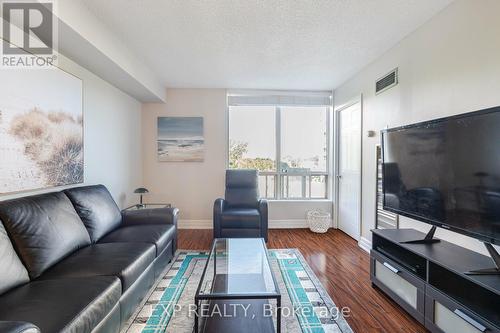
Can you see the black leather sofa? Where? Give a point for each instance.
(70, 261)
(242, 214)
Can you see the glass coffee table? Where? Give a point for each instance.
(238, 291)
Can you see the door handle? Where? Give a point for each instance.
(470, 320)
(391, 268)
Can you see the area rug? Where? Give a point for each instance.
(306, 306)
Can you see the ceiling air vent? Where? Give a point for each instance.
(386, 82)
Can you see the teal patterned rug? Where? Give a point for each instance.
(306, 306)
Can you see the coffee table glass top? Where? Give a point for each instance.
(238, 267)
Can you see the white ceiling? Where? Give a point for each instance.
(261, 44)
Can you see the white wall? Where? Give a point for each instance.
(450, 65)
(193, 187)
(113, 148)
(112, 137)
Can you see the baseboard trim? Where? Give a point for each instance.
(194, 224)
(365, 244)
(273, 224)
(288, 224)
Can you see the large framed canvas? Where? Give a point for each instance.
(41, 129)
(180, 139)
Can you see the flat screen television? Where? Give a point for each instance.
(446, 172)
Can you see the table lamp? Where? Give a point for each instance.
(141, 191)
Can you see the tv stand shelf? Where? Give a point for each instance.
(429, 281)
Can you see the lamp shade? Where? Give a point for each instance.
(141, 190)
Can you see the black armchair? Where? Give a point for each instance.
(241, 214)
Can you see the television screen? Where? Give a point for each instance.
(446, 172)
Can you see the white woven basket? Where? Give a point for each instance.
(319, 221)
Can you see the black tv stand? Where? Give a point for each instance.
(428, 239)
(495, 256)
(430, 283)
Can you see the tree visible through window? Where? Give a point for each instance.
(237, 150)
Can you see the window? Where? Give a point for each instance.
(250, 149)
(288, 144)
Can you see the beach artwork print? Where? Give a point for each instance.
(41, 129)
(180, 139)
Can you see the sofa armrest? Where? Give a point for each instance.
(18, 327)
(218, 209)
(263, 210)
(150, 216)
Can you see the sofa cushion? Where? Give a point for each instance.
(159, 235)
(63, 305)
(12, 273)
(241, 218)
(124, 260)
(44, 229)
(96, 208)
(18, 327)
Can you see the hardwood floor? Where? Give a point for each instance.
(343, 268)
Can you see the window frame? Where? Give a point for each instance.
(280, 174)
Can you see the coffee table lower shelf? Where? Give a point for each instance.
(253, 321)
(237, 291)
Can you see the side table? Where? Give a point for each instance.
(149, 206)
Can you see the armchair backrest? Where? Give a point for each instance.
(242, 188)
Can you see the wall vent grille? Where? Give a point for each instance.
(386, 82)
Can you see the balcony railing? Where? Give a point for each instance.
(293, 186)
